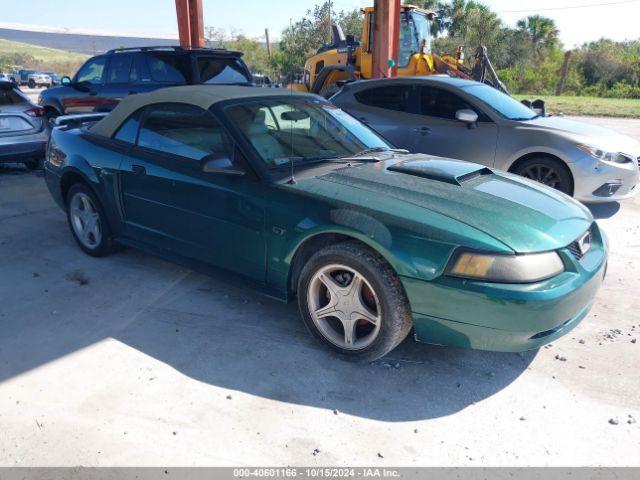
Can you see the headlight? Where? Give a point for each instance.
(604, 156)
(506, 268)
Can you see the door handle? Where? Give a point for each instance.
(422, 130)
(138, 170)
(93, 94)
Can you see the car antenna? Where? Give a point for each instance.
(292, 179)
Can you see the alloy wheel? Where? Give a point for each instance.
(344, 307)
(85, 220)
(544, 174)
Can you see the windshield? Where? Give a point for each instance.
(415, 30)
(300, 130)
(501, 103)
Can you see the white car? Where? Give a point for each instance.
(472, 121)
(39, 80)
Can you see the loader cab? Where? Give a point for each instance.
(415, 36)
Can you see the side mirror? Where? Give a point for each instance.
(467, 116)
(65, 80)
(220, 163)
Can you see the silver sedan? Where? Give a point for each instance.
(471, 121)
(23, 130)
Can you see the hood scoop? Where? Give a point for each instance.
(455, 172)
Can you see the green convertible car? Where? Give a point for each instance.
(297, 198)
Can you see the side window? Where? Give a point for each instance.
(394, 97)
(436, 102)
(169, 68)
(222, 70)
(184, 130)
(128, 131)
(119, 68)
(92, 71)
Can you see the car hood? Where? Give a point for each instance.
(601, 137)
(524, 216)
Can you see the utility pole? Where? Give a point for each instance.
(329, 1)
(266, 35)
(563, 73)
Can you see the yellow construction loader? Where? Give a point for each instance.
(345, 59)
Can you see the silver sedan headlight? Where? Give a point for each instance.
(506, 268)
(603, 155)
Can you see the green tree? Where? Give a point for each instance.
(541, 32)
(303, 38)
(255, 53)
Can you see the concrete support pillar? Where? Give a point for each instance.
(386, 34)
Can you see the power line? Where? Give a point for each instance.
(572, 7)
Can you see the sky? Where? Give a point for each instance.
(618, 20)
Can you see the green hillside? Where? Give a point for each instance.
(16, 54)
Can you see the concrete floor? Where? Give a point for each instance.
(151, 364)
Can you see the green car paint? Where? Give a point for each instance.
(414, 210)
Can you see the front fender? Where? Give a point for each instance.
(408, 254)
(52, 103)
(538, 150)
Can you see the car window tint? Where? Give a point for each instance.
(119, 68)
(393, 97)
(221, 70)
(92, 71)
(10, 97)
(184, 130)
(436, 102)
(169, 68)
(129, 129)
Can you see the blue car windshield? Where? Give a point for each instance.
(301, 131)
(500, 102)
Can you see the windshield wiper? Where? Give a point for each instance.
(368, 151)
(523, 119)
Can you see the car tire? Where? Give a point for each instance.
(548, 171)
(88, 222)
(349, 285)
(31, 84)
(33, 164)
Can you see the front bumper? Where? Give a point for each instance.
(591, 175)
(507, 317)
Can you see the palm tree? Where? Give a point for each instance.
(542, 33)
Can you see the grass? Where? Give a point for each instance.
(44, 58)
(588, 106)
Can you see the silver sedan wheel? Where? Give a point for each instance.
(85, 220)
(344, 307)
(544, 174)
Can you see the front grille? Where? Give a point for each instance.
(579, 247)
(574, 248)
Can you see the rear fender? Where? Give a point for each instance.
(102, 178)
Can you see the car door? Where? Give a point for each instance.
(389, 111)
(87, 85)
(439, 133)
(116, 84)
(170, 202)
